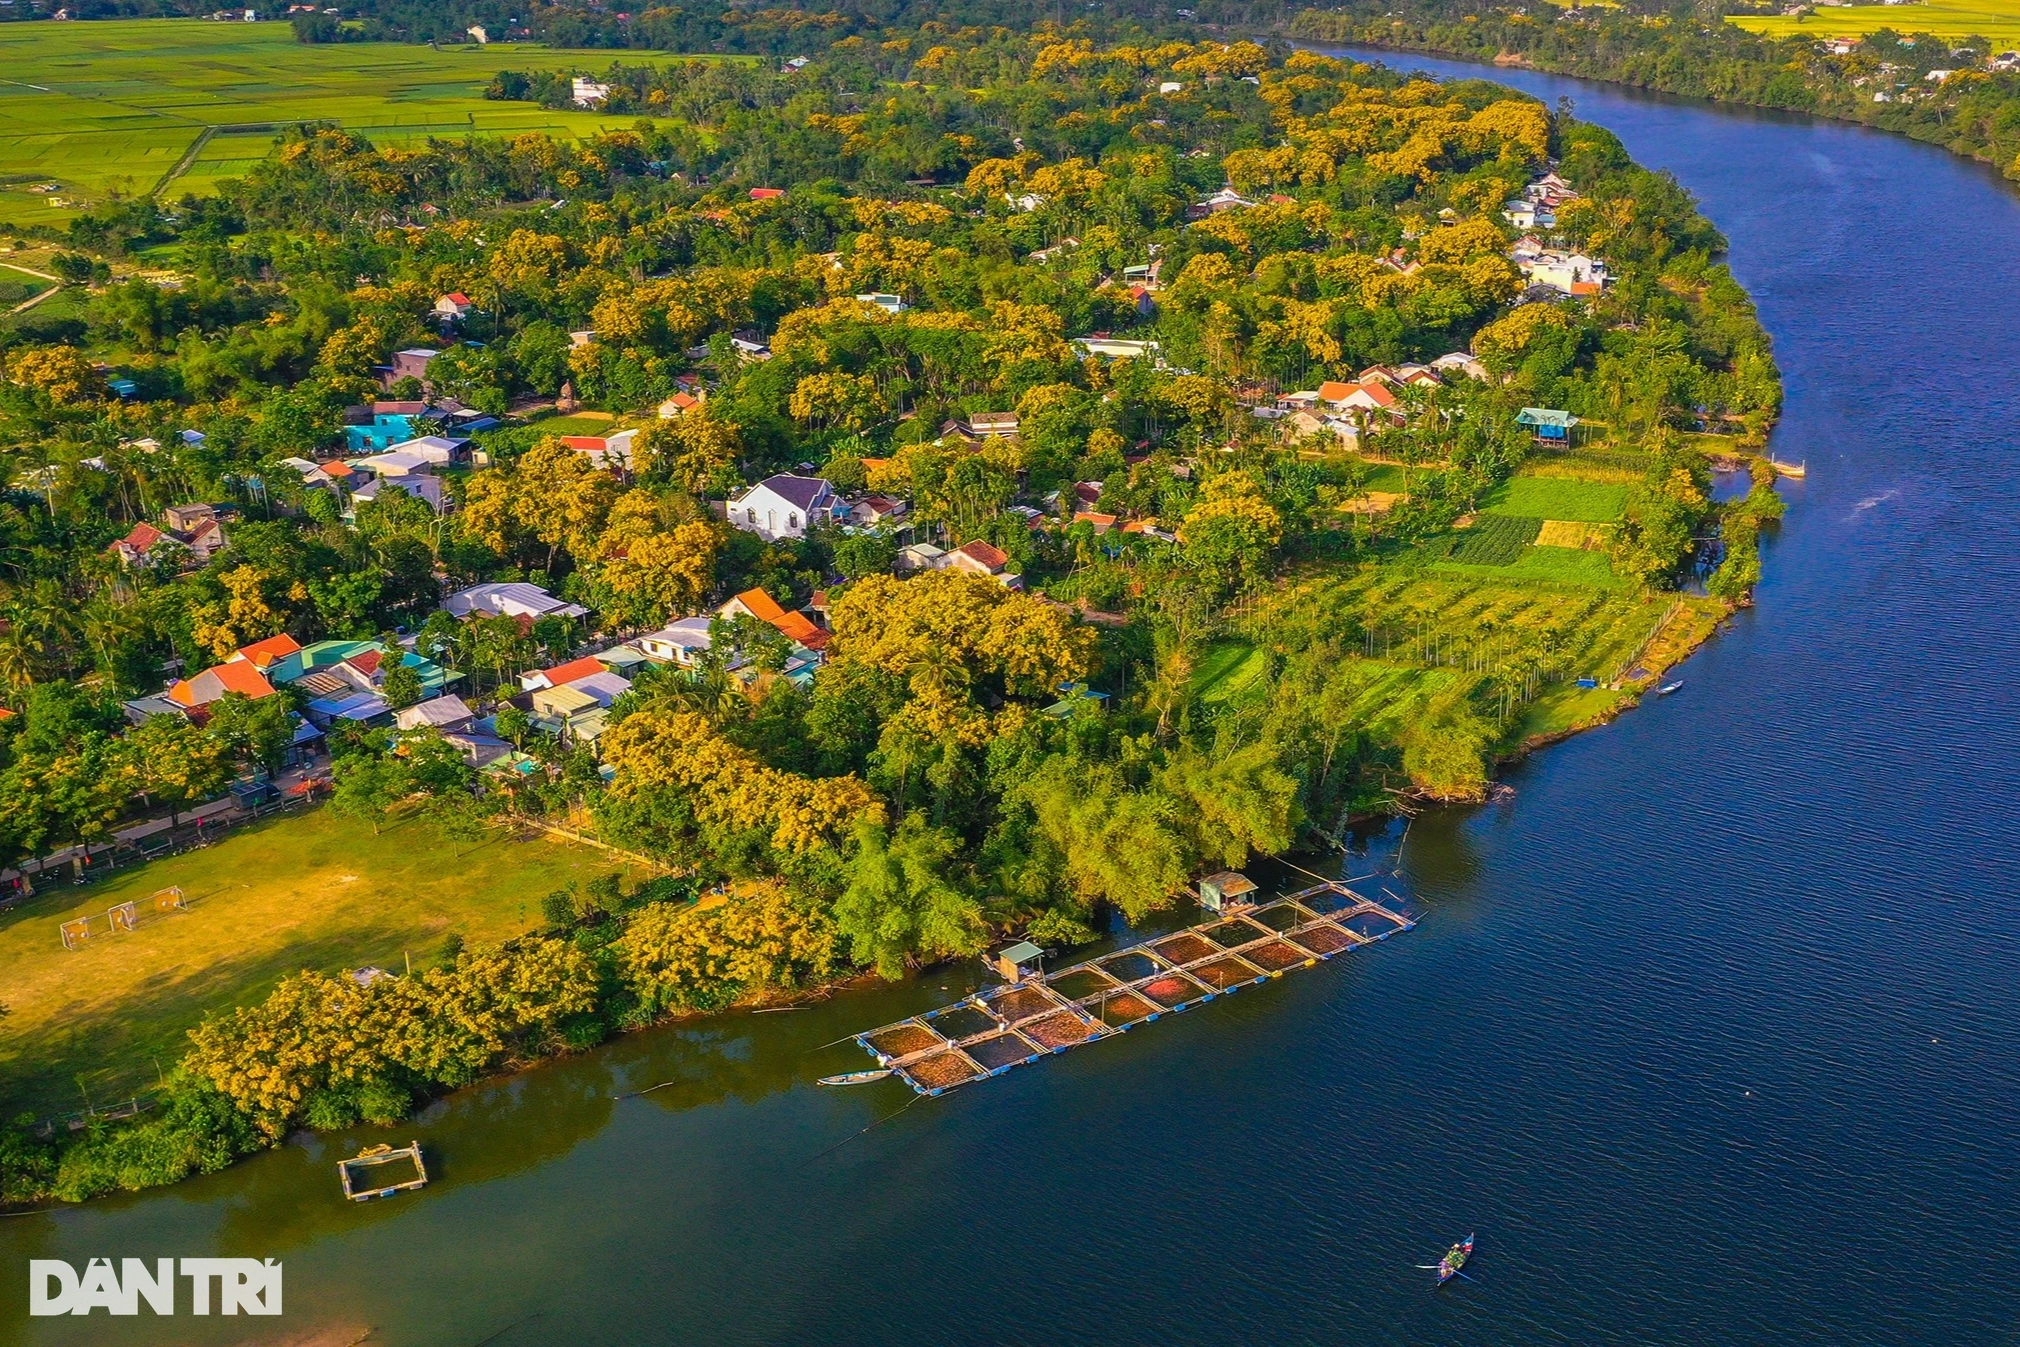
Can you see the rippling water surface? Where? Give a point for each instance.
(1709, 1031)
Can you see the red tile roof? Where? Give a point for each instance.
(766, 193)
(588, 444)
(143, 537)
(572, 670)
(366, 662)
(1332, 390)
(995, 558)
(801, 628)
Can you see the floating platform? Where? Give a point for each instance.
(357, 1167)
(991, 1031)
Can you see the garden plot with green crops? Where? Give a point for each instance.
(1569, 498)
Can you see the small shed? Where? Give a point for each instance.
(1022, 960)
(1225, 891)
(1549, 425)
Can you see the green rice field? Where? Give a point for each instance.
(117, 106)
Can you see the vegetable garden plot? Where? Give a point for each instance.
(1017, 1024)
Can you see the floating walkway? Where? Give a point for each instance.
(989, 1032)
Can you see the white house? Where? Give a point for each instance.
(1115, 348)
(683, 642)
(891, 304)
(509, 598)
(1460, 362)
(785, 506)
(454, 307)
(588, 93)
(1565, 271)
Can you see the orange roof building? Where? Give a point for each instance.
(235, 675)
(263, 654)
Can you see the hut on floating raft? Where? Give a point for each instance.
(1021, 961)
(1227, 891)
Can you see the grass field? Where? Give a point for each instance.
(1228, 669)
(114, 106)
(308, 891)
(1998, 21)
(1570, 498)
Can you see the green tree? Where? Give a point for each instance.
(903, 901)
(259, 730)
(402, 686)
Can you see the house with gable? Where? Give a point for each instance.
(785, 506)
(981, 558)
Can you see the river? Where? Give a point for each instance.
(1709, 1031)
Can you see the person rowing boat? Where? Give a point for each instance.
(1454, 1259)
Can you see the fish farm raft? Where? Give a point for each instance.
(991, 1031)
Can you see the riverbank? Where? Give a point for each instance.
(1973, 117)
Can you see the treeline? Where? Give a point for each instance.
(1974, 112)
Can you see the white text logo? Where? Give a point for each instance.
(233, 1285)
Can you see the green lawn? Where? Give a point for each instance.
(314, 890)
(1996, 20)
(1568, 498)
(1385, 477)
(115, 105)
(1228, 669)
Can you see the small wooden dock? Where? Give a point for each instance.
(987, 1033)
(357, 1169)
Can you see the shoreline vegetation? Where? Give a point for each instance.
(1326, 540)
(1955, 92)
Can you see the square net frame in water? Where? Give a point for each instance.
(1079, 983)
(942, 1070)
(1185, 948)
(962, 1021)
(1224, 972)
(1275, 956)
(1283, 916)
(1173, 990)
(1125, 1007)
(1005, 1049)
(1323, 939)
(1130, 965)
(1063, 1029)
(1020, 1002)
(1235, 932)
(899, 1041)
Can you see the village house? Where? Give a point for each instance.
(683, 642)
(454, 307)
(380, 425)
(1225, 199)
(509, 598)
(796, 627)
(234, 675)
(447, 713)
(1461, 363)
(981, 558)
(1568, 273)
(561, 674)
(785, 506)
(587, 93)
(917, 557)
(408, 364)
(611, 452)
(891, 304)
(680, 404)
(873, 511)
(1114, 348)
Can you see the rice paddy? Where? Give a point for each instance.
(179, 105)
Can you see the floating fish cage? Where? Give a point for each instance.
(989, 1032)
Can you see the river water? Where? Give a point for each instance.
(1709, 1031)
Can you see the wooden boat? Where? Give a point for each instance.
(1454, 1259)
(855, 1077)
(1668, 688)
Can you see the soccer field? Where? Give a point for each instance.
(1997, 21)
(102, 107)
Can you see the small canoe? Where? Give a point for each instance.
(1668, 688)
(1454, 1259)
(855, 1077)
